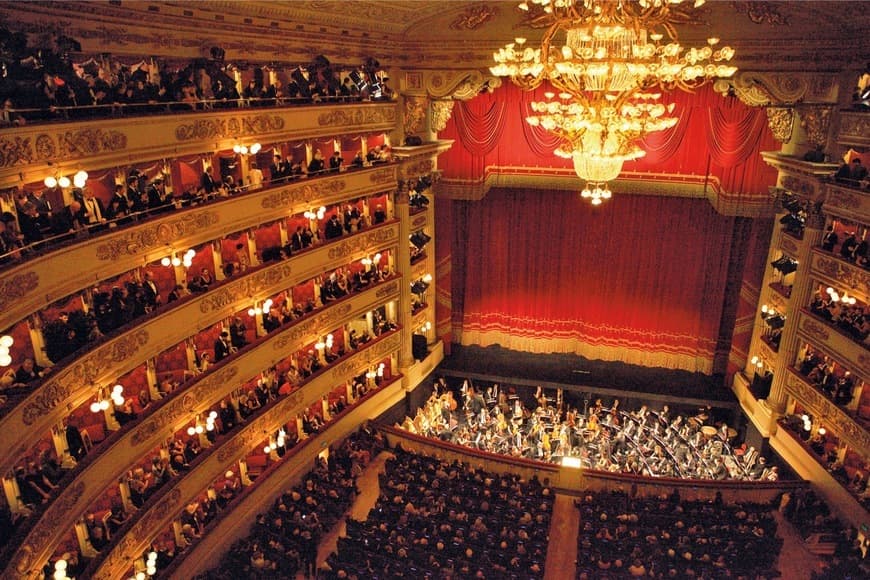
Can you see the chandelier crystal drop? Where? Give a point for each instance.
(606, 58)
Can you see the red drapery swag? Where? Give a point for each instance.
(715, 136)
(640, 281)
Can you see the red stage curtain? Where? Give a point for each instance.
(640, 281)
(716, 136)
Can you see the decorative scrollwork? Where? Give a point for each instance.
(16, 151)
(89, 142)
(309, 327)
(816, 122)
(134, 242)
(233, 127)
(362, 116)
(441, 112)
(58, 388)
(16, 287)
(815, 330)
(249, 286)
(385, 175)
(474, 17)
(368, 356)
(415, 114)
(781, 122)
(853, 278)
(302, 194)
(361, 243)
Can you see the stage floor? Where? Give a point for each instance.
(575, 372)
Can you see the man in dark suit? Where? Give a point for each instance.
(42, 205)
(222, 347)
(93, 211)
(119, 205)
(276, 170)
(333, 228)
(151, 291)
(208, 183)
(69, 220)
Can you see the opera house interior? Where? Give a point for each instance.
(628, 334)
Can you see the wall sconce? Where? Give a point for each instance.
(321, 344)
(151, 564)
(315, 214)
(420, 239)
(239, 149)
(102, 403)
(6, 342)
(279, 442)
(79, 180)
(376, 259)
(175, 261)
(198, 428)
(771, 317)
(60, 570)
(845, 298)
(421, 285)
(822, 431)
(425, 327)
(267, 306)
(757, 362)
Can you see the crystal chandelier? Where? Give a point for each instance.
(605, 58)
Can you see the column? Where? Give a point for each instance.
(800, 296)
(403, 264)
(34, 328)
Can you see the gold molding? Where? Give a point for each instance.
(781, 122)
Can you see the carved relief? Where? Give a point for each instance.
(46, 527)
(415, 169)
(349, 247)
(781, 122)
(816, 122)
(385, 175)
(17, 287)
(789, 246)
(86, 371)
(854, 128)
(63, 145)
(418, 221)
(853, 278)
(441, 112)
(761, 12)
(815, 330)
(843, 199)
(308, 192)
(343, 117)
(183, 405)
(474, 17)
(250, 286)
(415, 114)
(233, 127)
(311, 325)
(796, 185)
(386, 290)
(160, 234)
(368, 356)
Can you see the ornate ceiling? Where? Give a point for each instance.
(807, 35)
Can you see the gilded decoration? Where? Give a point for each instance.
(789, 246)
(419, 221)
(46, 527)
(17, 287)
(816, 122)
(815, 329)
(385, 175)
(386, 290)
(797, 185)
(781, 122)
(310, 326)
(761, 12)
(361, 243)
(182, 405)
(167, 505)
(441, 112)
(246, 288)
(854, 128)
(159, 234)
(416, 169)
(415, 114)
(365, 115)
(474, 17)
(86, 371)
(368, 356)
(201, 129)
(849, 276)
(843, 199)
(308, 192)
(62, 145)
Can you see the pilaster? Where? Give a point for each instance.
(402, 213)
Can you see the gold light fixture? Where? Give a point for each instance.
(605, 57)
(240, 149)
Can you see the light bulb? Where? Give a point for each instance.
(199, 430)
(60, 565)
(64, 182)
(82, 174)
(209, 426)
(78, 181)
(59, 575)
(190, 253)
(212, 415)
(50, 182)
(251, 312)
(5, 360)
(165, 261)
(118, 389)
(176, 261)
(104, 404)
(6, 341)
(191, 431)
(140, 576)
(255, 148)
(95, 407)
(244, 150)
(237, 148)
(822, 431)
(267, 449)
